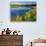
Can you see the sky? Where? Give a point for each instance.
(23, 2)
(31, 30)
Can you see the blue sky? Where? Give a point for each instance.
(23, 2)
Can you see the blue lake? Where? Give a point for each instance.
(19, 11)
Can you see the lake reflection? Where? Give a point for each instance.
(19, 11)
